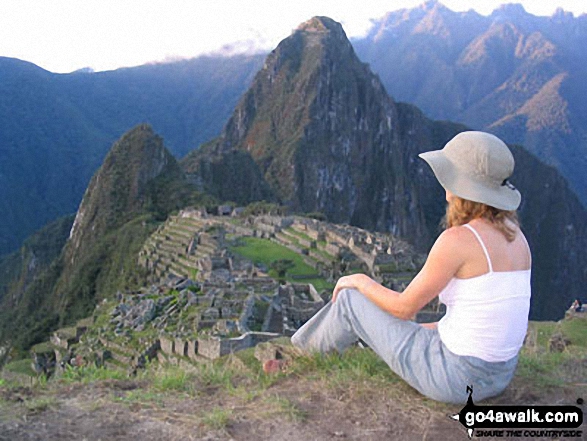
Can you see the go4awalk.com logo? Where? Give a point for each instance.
(520, 421)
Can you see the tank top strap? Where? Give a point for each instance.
(482, 246)
(528, 249)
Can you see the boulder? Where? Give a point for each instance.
(276, 351)
(558, 343)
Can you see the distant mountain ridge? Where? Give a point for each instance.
(511, 73)
(55, 129)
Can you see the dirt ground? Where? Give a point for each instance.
(294, 408)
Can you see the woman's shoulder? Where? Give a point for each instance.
(456, 235)
(453, 243)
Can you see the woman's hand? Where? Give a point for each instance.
(359, 282)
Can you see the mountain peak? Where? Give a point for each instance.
(509, 11)
(434, 21)
(322, 29)
(119, 188)
(319, 25)
(560, 14)
(433, 5)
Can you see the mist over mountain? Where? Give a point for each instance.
(511, 73)
(55, 130)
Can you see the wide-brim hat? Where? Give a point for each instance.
(476, 166)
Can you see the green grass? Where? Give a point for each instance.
(88, 321)
(324, 254)
(265, 252)
(284, 406)
(299, 234)
(173, 379)
(21, 367)
(217, 418)
(38, 405)
(388, 268)
(319, 284)
(541, 368)
(219, 375)
(576, 331)
(43, 347)
(90, 374)
(355, 365)
(142, 396)
(544, 368)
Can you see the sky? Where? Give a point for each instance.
(66, 35)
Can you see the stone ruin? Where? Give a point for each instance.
(204, 302)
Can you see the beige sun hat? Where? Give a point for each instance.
(476, 166)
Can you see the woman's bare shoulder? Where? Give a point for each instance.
(454, 237)
(450, 249)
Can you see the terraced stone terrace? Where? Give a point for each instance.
(238, 248)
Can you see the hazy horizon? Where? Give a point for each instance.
(66, 35)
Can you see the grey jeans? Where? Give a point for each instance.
(413, 352)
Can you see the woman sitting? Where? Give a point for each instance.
(479, 267)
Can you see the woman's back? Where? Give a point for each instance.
(488, 300)
(502, 255)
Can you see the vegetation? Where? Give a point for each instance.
(265, 252)
(90, 373)
(23, 366)
(35, 256)
(217, 418)
(223, 394)
(546, 368)
(281, 267)
(264, 207)
(121, 209)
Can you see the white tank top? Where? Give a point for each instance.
(486, 316)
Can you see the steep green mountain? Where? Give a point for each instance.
(57, 278)
(317, 123)
(511, 73)
(55, 130)
(318, 129)
(119, 190)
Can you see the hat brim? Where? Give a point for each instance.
(461, 185)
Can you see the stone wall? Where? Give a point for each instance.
(297, 310)
(212, 347)
(167, 345)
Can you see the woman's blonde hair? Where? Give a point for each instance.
(461, 211)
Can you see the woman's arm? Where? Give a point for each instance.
(444, 260)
